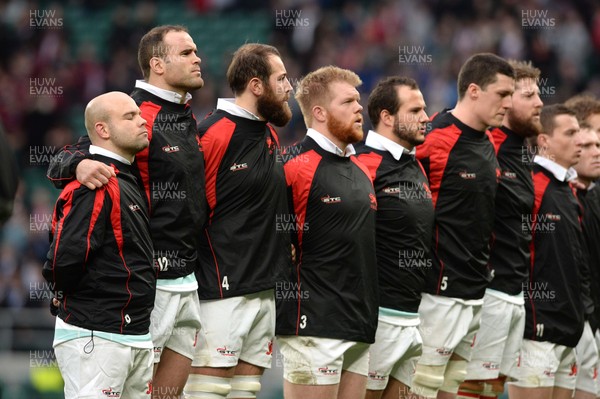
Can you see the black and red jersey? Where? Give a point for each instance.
(241, 252)
(509, 257)
(461, 165)
(100, 257)
(590, 273)
(553, 303)
(171, 171)
(334, 284)
(404, 226)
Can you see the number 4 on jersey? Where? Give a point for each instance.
(225, 283)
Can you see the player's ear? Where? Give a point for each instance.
(386, 118)
(542, 140)
(157, 65)
(101, 129)
(319, 114)
(255, 85)
(473, 91)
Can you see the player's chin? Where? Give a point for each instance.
(196, 83)
(358, 133)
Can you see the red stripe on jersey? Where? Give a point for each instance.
(115, 219)
(298, 294)
(437, 239)
(497, 137)
(215, 143)
(274, 134)
(437, 147)
(540, 184)
(212, 251)
(98, 202)
(299, 174)
(372, 161)
(149, 113)
(579, 204)
(67, 196)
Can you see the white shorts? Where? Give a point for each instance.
(587, 361)
(106, 370)
(238, 328)
(499, 338)
(448, 325)
(394, 353)
(597, 339)
(320, 361)
(175, 322)
(544, 365)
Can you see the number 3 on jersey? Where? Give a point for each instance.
(303, 321)
(225, 283)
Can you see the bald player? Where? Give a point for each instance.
(100, 264)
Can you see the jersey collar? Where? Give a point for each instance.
(558, 171)
(329, 145)
(166, 95)
(382, 143)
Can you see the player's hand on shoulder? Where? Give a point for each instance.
(93, 174)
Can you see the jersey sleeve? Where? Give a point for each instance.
(61, 170)
(423, 154)
(78, 228)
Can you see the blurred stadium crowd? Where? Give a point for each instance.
(55, 56)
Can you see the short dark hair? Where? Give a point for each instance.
(549, 114)
(250, 61)
(151, 45)
(385, 96)
(482, 69)
(584, 105)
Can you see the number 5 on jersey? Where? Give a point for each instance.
(444, 283)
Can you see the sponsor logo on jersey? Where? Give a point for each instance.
(467, 175)
(391, 190)
(226, 352)
(170, 148)
(109, 393)
(331, 200)
(134, 207)
(553, 217)
(508, 174)
(328, 371)
(238, 166)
